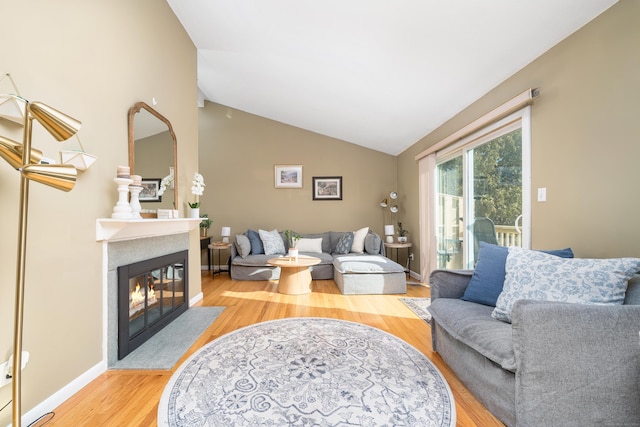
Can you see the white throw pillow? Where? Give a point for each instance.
(309, 245)
(540, 276)
(358, 240)
(272, 242)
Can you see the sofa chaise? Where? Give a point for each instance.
(355, 260)
(553, 361)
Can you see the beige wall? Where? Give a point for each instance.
(92, 60)
(238, 152)
(585, 140)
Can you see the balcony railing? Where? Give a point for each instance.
(508, 235)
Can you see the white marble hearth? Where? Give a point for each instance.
(126, 242)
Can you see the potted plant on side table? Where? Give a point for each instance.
(402, 233)
(205, 224)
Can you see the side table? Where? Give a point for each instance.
(398, 246)
(205, 241)
(219, 246)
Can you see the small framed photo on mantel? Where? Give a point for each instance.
(327, 188)
(288, 176)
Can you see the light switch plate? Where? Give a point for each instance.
(542, 194)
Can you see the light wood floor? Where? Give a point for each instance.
(130, 398)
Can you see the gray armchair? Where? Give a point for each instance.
(573, 364)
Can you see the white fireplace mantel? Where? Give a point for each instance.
(112, 230)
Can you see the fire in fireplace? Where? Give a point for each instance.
(151, 294)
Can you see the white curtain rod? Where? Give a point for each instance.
(514, 104)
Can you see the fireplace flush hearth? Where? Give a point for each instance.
(151, 294)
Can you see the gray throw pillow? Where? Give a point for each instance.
(372, 244)
(243, 245)
(272, 242)
(344, 244)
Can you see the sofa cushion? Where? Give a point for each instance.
(243, 245)
(272, 242)
(256, 243)
(261, 260)
(326, 240)
(344, 244)
(472, 324)
(358, 240)
(355, 263)
(488, 277)
(538, 276)
(372, 244)
(309, 245)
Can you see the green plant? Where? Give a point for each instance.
(402, 232)
(206, 222)
(292, 238)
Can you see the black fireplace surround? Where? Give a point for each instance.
(151, 294)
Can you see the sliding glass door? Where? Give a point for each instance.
(480, 189)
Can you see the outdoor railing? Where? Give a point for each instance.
(507, 235)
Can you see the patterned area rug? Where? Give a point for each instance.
(307, 372)
(419, 307)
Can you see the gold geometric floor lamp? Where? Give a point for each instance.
(62, 177)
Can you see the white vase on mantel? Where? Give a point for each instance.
(194, 213)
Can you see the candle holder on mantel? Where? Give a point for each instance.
(122, 209)
(135, 201)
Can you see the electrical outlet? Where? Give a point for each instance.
(411, 256)
(7, 367)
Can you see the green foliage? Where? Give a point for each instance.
(497, 184)
(292, 237)
(401, 231)
(206, 222)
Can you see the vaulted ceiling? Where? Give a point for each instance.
(377, 73)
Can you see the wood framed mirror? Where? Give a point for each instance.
(153, 152)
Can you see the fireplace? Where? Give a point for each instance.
(151, 294)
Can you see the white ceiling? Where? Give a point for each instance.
(377, 73)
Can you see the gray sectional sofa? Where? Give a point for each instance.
(363, 272)
(556, 364)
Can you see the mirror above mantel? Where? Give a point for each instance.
(153, 152)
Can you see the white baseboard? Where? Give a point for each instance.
(62, 395)
(195, 299)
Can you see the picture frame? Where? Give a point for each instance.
(150, 188)
(327, 188)
(288, 176)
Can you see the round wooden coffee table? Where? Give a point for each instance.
(295, 276)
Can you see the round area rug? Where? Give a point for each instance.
(307, 372)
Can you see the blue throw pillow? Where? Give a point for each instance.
(256, 243)
(488, 278)
(344, 244)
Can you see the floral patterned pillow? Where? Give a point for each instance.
(272, 241)
(539, 276)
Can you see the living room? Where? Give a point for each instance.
(97, 61)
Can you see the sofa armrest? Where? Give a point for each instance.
(576, 364)
(449, 283)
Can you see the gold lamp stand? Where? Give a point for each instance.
(61, 177)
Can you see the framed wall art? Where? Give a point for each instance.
(150, 187)
(327, 188)
(288, 176)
